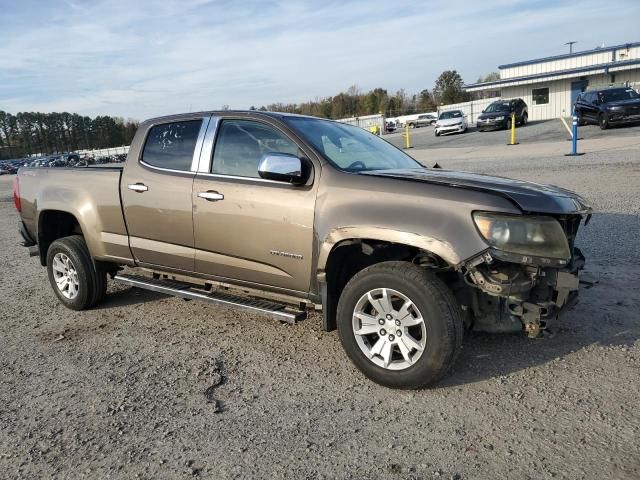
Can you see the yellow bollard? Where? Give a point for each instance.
(406, 138)
(513, 130)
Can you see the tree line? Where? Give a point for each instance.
(29, 133)
(448, 89)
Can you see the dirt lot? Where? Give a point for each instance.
(147, 386)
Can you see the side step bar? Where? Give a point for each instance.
(185, 290)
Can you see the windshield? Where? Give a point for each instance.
(618, 95)
(350, 148)
(451, 114)
(498, 107)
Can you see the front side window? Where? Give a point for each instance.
(241, 144)
(171, 145)
(350, 148)
(540, 96)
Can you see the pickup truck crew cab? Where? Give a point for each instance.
(277, 212)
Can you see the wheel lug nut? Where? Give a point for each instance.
(381, 321)
(391, 338)
(383, 332)
(389, 317)
(398, 333)
(398, 322)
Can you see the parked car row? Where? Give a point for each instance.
(64, 160)
(10, 167)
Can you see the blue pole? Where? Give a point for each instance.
(574, 147)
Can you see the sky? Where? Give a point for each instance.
(139, 59)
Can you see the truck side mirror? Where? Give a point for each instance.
(282, 167)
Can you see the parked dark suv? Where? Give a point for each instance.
(610, 106)
(498, 114)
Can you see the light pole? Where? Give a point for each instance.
(571, 43)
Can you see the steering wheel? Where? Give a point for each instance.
(357, 164)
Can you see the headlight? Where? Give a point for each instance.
(500, 118)
(523, 235)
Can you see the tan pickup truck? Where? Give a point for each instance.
(279, 213)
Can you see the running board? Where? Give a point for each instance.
(192, 292)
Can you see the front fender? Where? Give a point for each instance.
(431, 217)
(441, 248)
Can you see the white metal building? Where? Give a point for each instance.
(550, 85)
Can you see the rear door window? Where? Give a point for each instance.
(171, 145)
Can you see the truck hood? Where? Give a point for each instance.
(529, 197)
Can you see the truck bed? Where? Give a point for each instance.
(90, 194)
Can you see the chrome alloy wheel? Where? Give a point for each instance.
(389, 329)
(65, 275)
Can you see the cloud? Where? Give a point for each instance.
(141, 59)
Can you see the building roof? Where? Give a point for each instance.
(556, 75)
(569, 55)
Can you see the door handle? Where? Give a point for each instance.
(138, 187)
(211, 196)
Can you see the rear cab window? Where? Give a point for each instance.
(170, 145)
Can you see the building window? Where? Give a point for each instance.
(540, 96)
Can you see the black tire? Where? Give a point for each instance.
(509, 123)
(524, 120)
(439, 309)
(92, 283)
(581, 121)
(412, 125)
(437, 133)
(603, 121)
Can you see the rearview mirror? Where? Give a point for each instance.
(282, 167)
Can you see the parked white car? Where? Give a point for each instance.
(452, 121)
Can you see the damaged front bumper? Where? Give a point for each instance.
(509, 297)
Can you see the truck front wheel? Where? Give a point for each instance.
(399, 324)
(72, 274)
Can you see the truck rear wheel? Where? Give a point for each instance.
(72, 274)
(400, 325)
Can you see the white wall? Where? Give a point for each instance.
(560, 93)
(104, 152)
(403, 119)
(596, 58)
(366, 121)
(471, 110)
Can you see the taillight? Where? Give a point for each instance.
(16, 194)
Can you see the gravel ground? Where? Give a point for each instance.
(148, 386)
